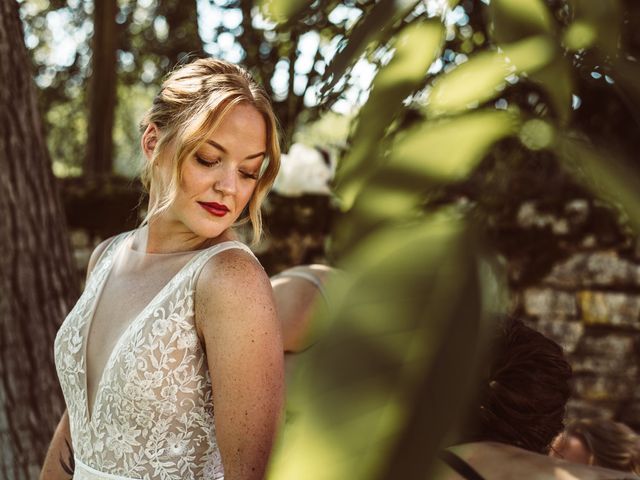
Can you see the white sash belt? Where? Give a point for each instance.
(85, 472)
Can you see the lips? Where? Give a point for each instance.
(217, 209)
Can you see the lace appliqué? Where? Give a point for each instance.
(153, 415)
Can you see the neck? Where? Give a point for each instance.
(164, 237)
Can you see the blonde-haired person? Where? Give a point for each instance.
(171, 361)
(599, 442)
(299, 292)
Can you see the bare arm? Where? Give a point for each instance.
(236, 319)
(58, 463)
(296, 302)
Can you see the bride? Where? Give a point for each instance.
(171, 362)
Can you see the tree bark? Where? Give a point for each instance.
(184, 38)
(38, 283)
(102, 91)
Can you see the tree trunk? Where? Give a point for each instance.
(38, 283)
(102, 91)
(184, 38)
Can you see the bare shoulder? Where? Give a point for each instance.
(231, 269)
(233, 283)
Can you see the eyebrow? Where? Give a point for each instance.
(224, 150)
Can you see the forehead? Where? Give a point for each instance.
(572, 448)
(242, 129)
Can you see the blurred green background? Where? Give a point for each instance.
(478, 143)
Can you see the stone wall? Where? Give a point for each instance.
(590, 304)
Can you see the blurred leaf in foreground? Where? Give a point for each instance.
(284, 10)
(382, 16)
(607, 176)
(397, 80)
(484, 75)
(513, 20)
(447, 150)
(596, 22)
(410, 306)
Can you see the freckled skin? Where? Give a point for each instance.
(236, 320)
(235, 314)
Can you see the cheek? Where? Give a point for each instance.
(248, 192)
(193, 183)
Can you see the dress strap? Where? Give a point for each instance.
(107, 254)
(461, 467)
(310, 277)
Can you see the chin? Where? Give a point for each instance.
(206, 228)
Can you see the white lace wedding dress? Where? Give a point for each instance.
(152, 415)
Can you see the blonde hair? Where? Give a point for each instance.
(193, 101)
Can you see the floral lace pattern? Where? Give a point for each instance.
(153, 414)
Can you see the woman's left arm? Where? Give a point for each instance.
(236, 319)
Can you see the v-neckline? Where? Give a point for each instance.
(90, 410)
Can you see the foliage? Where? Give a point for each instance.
(496, 92)
(153, 37)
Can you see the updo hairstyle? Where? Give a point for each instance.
(193, 101)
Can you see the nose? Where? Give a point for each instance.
(225, 182)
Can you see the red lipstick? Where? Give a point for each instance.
(217, 209)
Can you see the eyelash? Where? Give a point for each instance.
(208, 164)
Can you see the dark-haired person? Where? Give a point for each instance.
(518, 413)
(600, 442)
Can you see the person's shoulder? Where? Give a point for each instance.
(99, 251)
(233, 284)
(230, 269)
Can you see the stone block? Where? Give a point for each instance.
(610, 308)
(604, 365)
(602, 389)
(594, 269)
(577, 409)
(546, 303)
(565, 333)
(613, 344)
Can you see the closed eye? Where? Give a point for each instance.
(207, 163)
(252, 176)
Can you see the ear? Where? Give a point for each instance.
(149, 140)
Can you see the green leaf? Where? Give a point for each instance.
(397, 80)
(625, 74)
(579, 35)
(596, 23)
(557, 80)
(606, 175)
(282, 11)
(370, 26)
(484, 76)
(536, 134)
(513, 20)
(448, 150)
(409, 302)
